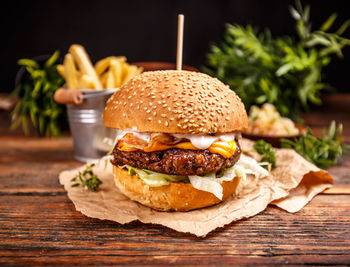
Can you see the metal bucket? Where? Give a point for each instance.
(87, 129)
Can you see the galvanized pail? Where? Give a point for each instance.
(87, 129)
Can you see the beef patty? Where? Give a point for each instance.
(176, 161)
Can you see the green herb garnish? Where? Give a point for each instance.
(267, 152)
(87, 179)
(36, 91)
(282, 71)
(324, 151)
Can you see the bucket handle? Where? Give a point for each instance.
(64, 96)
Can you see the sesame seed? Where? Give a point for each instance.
(166, 123)
(159, 121)
(163, 115)
(149, 118)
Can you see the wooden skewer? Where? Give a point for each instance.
(180, 37)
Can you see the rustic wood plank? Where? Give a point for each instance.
(31, 191)
(50, 227)
(202, 260)
(337, 190)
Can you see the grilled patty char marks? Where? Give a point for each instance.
(176, 161)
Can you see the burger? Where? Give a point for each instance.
(177, 139)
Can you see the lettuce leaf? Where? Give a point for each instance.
(155, 179)
(210, 182)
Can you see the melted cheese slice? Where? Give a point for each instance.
(225, 149)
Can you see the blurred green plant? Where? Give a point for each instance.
(324, 151)
(268, 154)
(281, 71)
(36, 103)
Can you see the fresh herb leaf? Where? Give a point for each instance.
(282, 71)
(324, 151)
(267, 152)
(87, 179)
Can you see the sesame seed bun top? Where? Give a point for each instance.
(175, 102)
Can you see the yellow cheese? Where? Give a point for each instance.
(225, 149)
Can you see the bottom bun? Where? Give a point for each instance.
(175, 196)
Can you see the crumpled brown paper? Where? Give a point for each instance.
(290, 186)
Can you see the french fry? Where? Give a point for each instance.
(125, 72)
(132, 72)
(116, 69)
(110, 80)
(86, 82)
(103, 79)
(139, 70)
(60, 70)
(84, 63)
(102, 65)
(110, 72)
(70, 72)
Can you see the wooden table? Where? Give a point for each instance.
(39, 225)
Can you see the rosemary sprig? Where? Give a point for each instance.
(88, 179)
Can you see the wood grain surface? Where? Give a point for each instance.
(40, 226)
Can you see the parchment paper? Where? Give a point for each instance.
(290, 186)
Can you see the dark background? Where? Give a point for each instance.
(146, 30)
